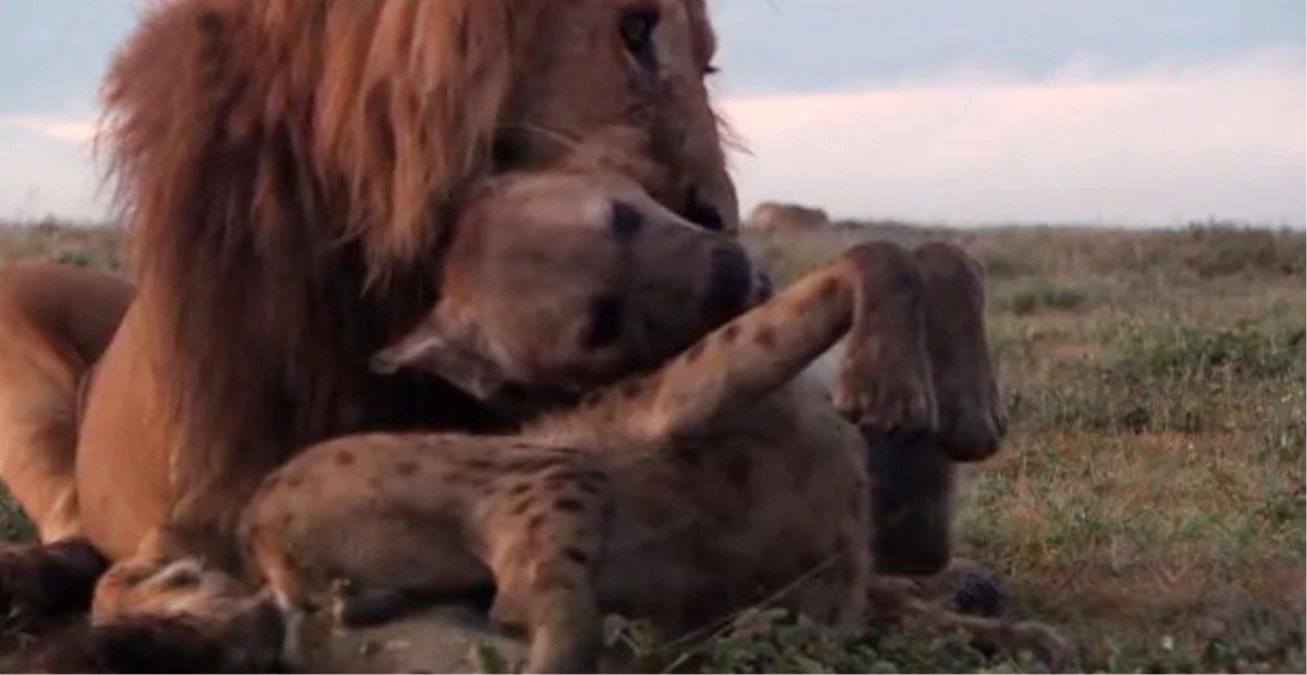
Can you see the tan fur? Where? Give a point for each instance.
(57, 321)
(287, 171)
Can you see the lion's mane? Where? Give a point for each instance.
(283, 168)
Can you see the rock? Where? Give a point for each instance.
(445, 639)
(781, 216)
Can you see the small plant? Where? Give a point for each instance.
(1047, 297)
(1193, 354)
(75, 257)
(14, 526)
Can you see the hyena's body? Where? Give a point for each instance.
(716, 482)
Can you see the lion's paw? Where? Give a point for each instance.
(149, 645)
(43, 580)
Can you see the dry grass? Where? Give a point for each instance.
(1150, 500)
(1151, 496)
(50, 241)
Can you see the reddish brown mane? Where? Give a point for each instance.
(277, 164)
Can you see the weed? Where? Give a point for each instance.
(1046, 297)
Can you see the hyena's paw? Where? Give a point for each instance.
(884, 383)
(972, 421)
(885, 394)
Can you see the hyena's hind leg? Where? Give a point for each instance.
(434, 517)
(545, 550)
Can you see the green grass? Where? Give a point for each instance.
(1150, 498)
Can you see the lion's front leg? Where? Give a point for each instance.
(170, 616)
(38, 581)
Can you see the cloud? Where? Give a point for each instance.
(46, 168)
(77, 130)
(1155, 144)
(1087, 143)
(40, 175)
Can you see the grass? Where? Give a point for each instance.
(1150, 499)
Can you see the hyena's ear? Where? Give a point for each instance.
(459, 355)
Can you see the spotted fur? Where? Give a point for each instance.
(655, 496)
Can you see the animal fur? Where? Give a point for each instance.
(287, 172)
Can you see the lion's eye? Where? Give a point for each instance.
(637, 29)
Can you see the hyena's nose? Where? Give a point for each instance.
(763, 290)
(701, 211)
(731, 282)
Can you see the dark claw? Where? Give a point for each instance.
(980, 594)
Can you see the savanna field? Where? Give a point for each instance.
(1150, 498)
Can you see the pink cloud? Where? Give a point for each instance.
(1155, 145)
(64, 129)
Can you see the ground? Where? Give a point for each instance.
(1150, 500)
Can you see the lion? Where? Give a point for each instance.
(287, 172)
(681, 492)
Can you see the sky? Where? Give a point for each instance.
(1148, 112)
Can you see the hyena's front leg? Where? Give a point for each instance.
(913, 479)
(971, 418)
(872, 293)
